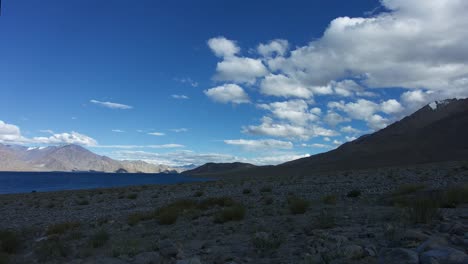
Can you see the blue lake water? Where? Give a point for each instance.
(25, 182)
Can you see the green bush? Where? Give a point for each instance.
(51, 249)
(325, 220)
(58, 229)
(422, 210)
(132, 196)
(264, 242)
(408, 189)
(99, 239)
(246, 191)
(198, 194)
(9, 241)
(82, 202)
(233, 213)
(329, 199)
(454, 196)
(137, 217)
(217, 201)
(265, 189)
(354, 193)
(167, 216)
(298, 205)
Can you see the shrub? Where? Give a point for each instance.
(298, 205)
(82, 202)
(59, 229)
(137, 217)
(99, 239)
(354, 193)
(51, 249)
(9, 241)
(132, 196)
(454, 196)
(198, 194)
(422, 210)
(217, 201)
(167, 216)
(4, 258)
(325, 220)
(408, 189)
(329, 199)
(268, 200)
(246, 191)
(265, 189)
(234, 213)
(264, 242)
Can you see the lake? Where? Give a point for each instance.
(25, 182)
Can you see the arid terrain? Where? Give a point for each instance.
(416, 214)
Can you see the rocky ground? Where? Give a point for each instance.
(400, 215)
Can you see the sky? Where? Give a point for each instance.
(188, 82)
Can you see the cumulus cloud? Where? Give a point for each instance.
(262, 144)
(12, 134)
(223, 47)
(283, 86)
(9, 133)
(269, 128)
(333, 118)
(391, 106)
(295, 111)
(274, 47)
(66, 138)
(240, 70)
(111, 105)
(350, 130)
(228, 93)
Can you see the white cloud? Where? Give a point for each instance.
(391, 106)
(47, 131)
(179, 130)
(111, 105)
(187, 81)
(11, 134)
(283, 86)
(296, 111)
(269, 128)
(262, 144)
(185, 157)
(274, 47)
(164, 146)
(418, 44)
(223, 47)
(228, 93)
(337, 142)
(179, 96)
(158, 134)
(333, 118)
(118, 131)
(65, 138)
(240, 70)
(377, 122)
(350, 130)
(318, 145)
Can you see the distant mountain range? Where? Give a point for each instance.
(69, 158)
(435, 133)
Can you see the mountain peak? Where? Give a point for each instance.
(436, 104)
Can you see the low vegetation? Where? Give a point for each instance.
(233, 213)
(354, 194)
(99, 239)
(132, 196)
(51, 249)
(329, 199)
(298, 205)
(408, 189)
(422, 210)
(9, 241)
(59, 229)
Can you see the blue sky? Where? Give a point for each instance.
(196, 81)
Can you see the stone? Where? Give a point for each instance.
(194, 260)
(168, 249)
(432, 243)
(370, 251)
(444, 255)
(352, 252)
(398, 255)
(104, 260)
(147, 258)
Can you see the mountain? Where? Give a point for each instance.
(68, 158)
(435, 133)
(217, 168)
